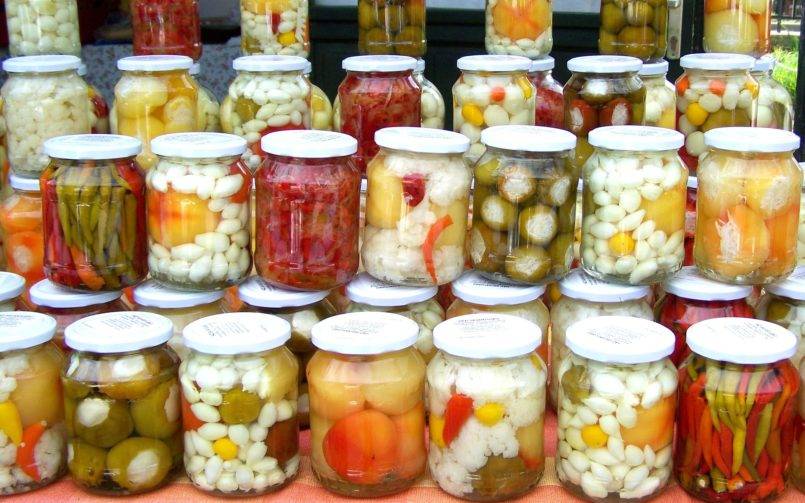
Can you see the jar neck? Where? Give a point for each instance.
(279, 73)
(65, 73)
(461, 360)
(489, 73)
(155, 73)
(380, 75)
(653, 79)
(212, 161)
(750, 155)
(92, 163)
(525, 154)
(307, 161)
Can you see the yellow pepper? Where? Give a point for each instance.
(525, 86)
(287, 38)
(10, 422)
(490, 413)
(696, 114)
(472, 114)
(436, 428)
(225, 448)
(594, 436)
(621, 244)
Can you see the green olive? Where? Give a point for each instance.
(101, 421)
(607, 42)
(239, 407)
(778, 312)
(637, 41)
(138, 463)
(529, 264)
(157, 414)
(566, 214)
(408, 41)
(86, 463)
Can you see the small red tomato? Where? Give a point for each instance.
(581, 118)
(617, 112)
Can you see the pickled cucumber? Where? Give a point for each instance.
(102, 422)
(157, 414)
(139, 463)
(239, 407)
(86, 463)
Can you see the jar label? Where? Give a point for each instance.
(18, 319)
(122, 322)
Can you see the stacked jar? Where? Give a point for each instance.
(367, 415)
(122, 403)
(602, 91)
(784, 305)
(519, 27)
(392, 27)
(550, 106)
(798, 461)
(748, 206)
(270, 93)
(43, 97)
(634, 28)
(417, 204)
(775, 108)
(633, 229)
(93, 208)
(46, 27)
(690, 218)
(239, 404)
(801, 227)
(31, 409)
(524, 204)
(321, 110)
(21, 229)
(584, 297)
(11, 288)
(98, 108)
(308, 202)
(432, 101)
(660, 95)
(161, 27)
(615, 419)
(735, 27)
(714, 91)
(209, 110)
(270, 27)
(491, 91)
(486, 434)
(737, 406)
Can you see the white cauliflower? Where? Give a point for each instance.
(384, 255)
(449, 183)
(412, 230)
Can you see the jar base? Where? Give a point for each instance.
(743, 279)
(612, 497)
(27, 488)
(527, 485)
(658, 277)
(365, 491)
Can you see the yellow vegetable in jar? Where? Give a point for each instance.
(490, 413)
(10, 422)
(225, 448)
(472, 114)
(696, 114)
(436, 427)
(621, 244)
(730, 30)
(287, 38)
(594, 436)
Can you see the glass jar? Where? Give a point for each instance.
(690, 218)
(154, 96)
(690, 298)
(308, 200)
(209, 110)
(417, 203)
(392, 27)
(615, 419)
(271, 27)
(93, 208)
(634, 28)
(775, 108)
(714, 91)
(45, 27)
(519, 27)
(166, 27)
(43, 97)
(739, 387)
(239, 404)
(486, 433)
(748, 206)
(602, 91)
(633, 229)
(660, 95)
(801, 227)
(321, 110)
(798, 462)
(180, 307)
(585, 297)
(11, 287)
(784, 305)
(122, 403)
(270, 93)
(21, 229)
(491, 91)
(432, 101)
(198, 212)
(377, 92)
(367, 415)
(98, 108)
(367, 294)
(550, 106)
(68, 306)
(32, 412)
(524, 204)
(737, 28)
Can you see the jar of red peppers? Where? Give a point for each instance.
(378, 92)
(550, 104)
(93, 207)
(21, 229)
(737, 406)
(798, 468)
(308, 202)
(690, 218)
(690, 298)
(166, 27)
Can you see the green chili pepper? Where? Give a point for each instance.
(754, 383)
(738, 444)
(763, 431)
(718, 480)
(710, 388)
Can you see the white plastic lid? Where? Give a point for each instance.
(420, 66)
(653, 69)
(255, 291)
(92, 146)
(11, 285)
(494, 63)
(48, 294)
(368, 290)
(153, 294)
(422, 140)
(379, 63)
(308, 68)
(693, 182)
(528, 138)
(118, 332)
(269, 63)
(764, 63)
(309, 144)
(717, 61)
(741, 340)
(792, 287)
(487, 335)
(41, 64)
(542, 64)
(23, 183)
(195, 69)
(640, 138)
(619, 339)
(368, 333)
(82, 69)
(578, 285)
(755, 139)
(236, 333)
(25, 329)
(474, 288)
(604, 64)
(198, 145)
(688, 283)
(155, 63)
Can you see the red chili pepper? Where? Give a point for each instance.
(617, 112)
(581, 117)
(705, 437)
(457, 411)
(430, 241)
(763, 464)
(718, 455)
(26, 451)
(682, 85)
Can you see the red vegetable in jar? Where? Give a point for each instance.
(166, 27)
(550, 108)
(308, 205)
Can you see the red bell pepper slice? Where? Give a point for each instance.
(458, 410)
(427, 247)
(26, 452)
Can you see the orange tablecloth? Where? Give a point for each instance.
(305, 488)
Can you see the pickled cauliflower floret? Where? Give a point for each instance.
(302, 323)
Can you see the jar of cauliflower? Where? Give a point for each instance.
(239, 391)
(417, 204)
(43, 98)
(775, 109)
(486, 399)
(617, 400)
(784, 304)
(209, 109)
(11, 287)
(42, 27)
(366, 293)
(432, 105)
(635, 192)
(583, 297)
(660, 95)
(367, 415)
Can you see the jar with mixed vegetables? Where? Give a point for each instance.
(274, 27)
(737, 27)
(775, 109)
(550, 106)
(392, 27)
(11, 288)
(21, 229)
(209, 109)
(798, 458)
(166, 27)
(660, 95)
(519, 27)
(432, 101)
(634, 28)
(784, 304)
(42, 27)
